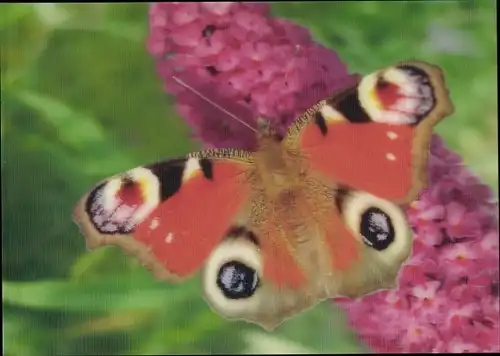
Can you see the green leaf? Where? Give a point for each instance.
(262, 343)
(12, 13)
(23, 39)
(97, 295)
(78, 132)
(99, 262)
(115, 80)
(21, 334)
(321, 328)
(129, 31)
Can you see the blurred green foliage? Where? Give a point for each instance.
(81, 101)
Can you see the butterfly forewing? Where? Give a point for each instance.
(170, 214)
(375, 136)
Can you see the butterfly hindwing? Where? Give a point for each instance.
(382, 236)
(238, 284)
(170, 214)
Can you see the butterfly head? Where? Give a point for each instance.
(266, 131)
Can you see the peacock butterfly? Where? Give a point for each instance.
(313, 215)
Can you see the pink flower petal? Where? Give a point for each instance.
(185, 13)
(218, 8)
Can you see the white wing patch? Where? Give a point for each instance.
(330, 114)
(392, 135)
(169, 238)
(150, 186)
(192, 167)
(154, 224)
(390, 156)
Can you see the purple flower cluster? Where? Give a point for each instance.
(252, 65)
(248, 63)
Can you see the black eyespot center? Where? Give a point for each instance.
(377, 229)
(236, 280)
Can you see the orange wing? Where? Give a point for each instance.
(171, 214)
(375, 137)
(279, 265)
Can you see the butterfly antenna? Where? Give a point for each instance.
(185, 85)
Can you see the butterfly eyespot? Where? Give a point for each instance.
(237, 280)
(376, 229)
(231, 276)
(118, 205)
(379, 224)
(397, 95)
